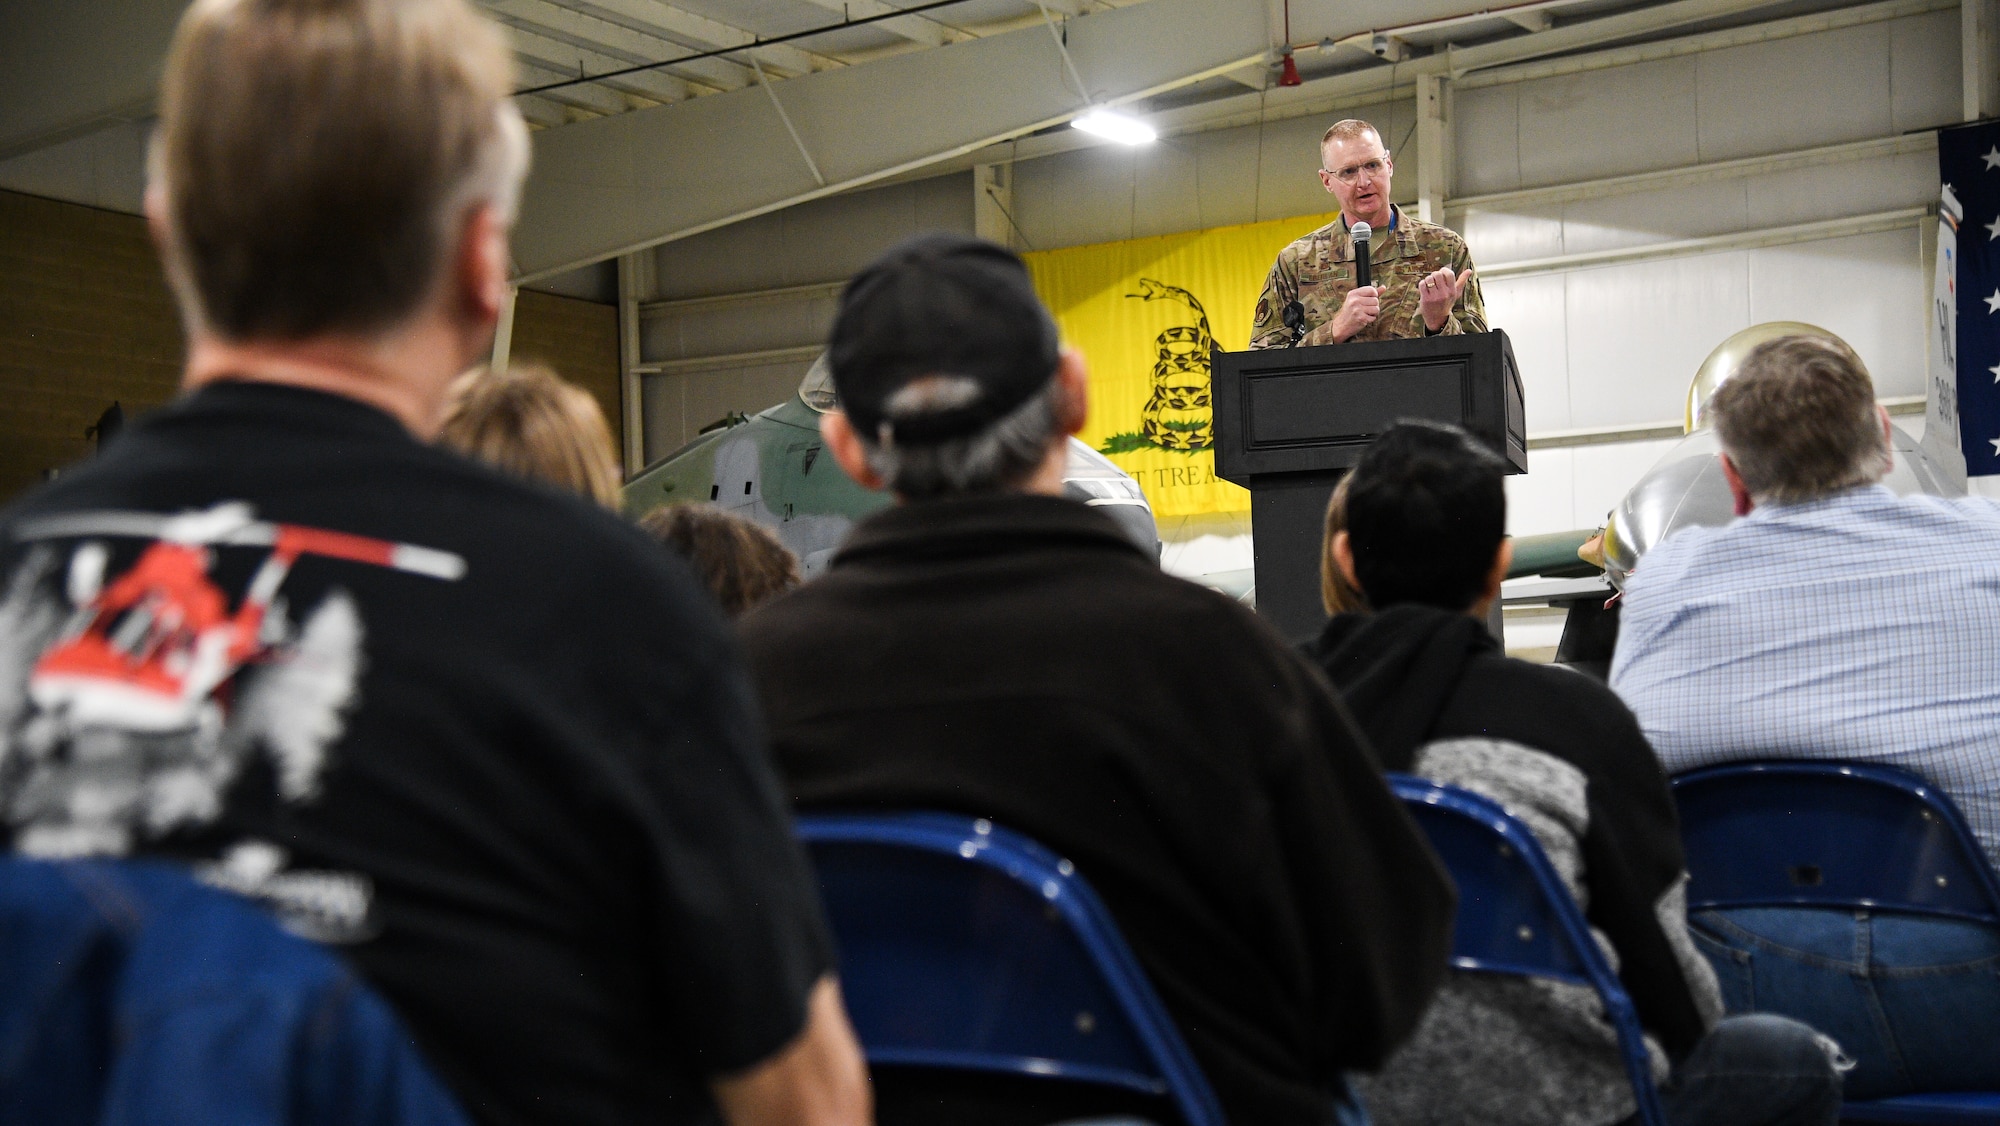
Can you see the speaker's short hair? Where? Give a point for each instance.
(1426, 511)
(316, 158)
(1350, 129)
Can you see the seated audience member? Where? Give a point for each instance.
(527, 421)
(482, 739)
(1834, 620)
(988, 647)
(1335, 592)
(738, 559)
(1425, 545)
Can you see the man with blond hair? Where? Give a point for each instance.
(1421, 281)
(484, 738)
(1834, 620)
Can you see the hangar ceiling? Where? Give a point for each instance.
(657, 119)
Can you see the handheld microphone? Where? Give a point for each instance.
(1294, 315)
(1360, 233)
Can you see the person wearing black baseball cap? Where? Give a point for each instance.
(991, 648)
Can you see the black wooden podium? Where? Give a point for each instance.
(1290, 421)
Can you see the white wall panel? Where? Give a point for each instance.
(1166, 194)
(1542, 499)
(1534, 312)
(733, 259)
(1224, 195)
(1795, 93)
(1640, 219)
(677, 405)
(1512, 235)
(1637, 332)
(824, 240)
(1486, 137)
(105, 168)
(943, 203)
(1859, 187)
(1605, 473)
(728, 329)
(1288, 166)
(1868, 289)
(1924, 70)
(1608, 122)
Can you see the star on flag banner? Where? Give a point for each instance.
(1969, 165)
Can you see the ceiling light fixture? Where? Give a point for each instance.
(1114, 126)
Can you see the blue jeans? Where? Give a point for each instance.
(1753, 1070)
(1915, 1000)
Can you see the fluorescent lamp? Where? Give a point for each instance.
(1114, 126)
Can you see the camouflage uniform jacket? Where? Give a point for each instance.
(1319, 270)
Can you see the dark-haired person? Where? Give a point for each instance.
(740, 562)
(1425, 544)
(1834, 620)
(484, 737)
(988, 647)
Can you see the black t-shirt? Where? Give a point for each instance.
(1017, 658)
(491, 743)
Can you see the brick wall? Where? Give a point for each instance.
(577, 338)
(85, 320)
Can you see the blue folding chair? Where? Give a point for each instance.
(965, 946)
(1516, 917)
(1844, 836)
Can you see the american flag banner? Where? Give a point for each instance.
(1969, 166)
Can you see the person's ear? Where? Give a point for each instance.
(483, 265)
(1888, 439)
(1343, 557)
(1073, 402)
(1737, 489)
(1503, 560)
(848, 452)
(155, 207)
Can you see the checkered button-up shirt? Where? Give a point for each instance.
(1862, 627)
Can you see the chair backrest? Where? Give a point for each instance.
(1825, 834)
(966, 946)
(1516, 917)
(134, 994)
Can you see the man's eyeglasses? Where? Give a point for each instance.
(1353, 172)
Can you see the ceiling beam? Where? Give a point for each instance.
(666, 20)
(618, 184)
(917, 29)
(1353, 88)
(595, 97)
(569, 61)
(615, 41)
(538, 110)
(66, 69)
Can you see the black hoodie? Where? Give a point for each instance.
(1413, 675)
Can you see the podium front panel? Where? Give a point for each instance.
(1289, 410)
(1289, 422)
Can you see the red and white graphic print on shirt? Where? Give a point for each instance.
(128, 704)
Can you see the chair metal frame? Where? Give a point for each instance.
(1585, 963)
(1927, 1109)
(1055, 882)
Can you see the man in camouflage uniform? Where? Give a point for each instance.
(1421, 273)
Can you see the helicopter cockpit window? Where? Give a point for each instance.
(816, 391)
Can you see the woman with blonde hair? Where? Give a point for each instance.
(528, 421)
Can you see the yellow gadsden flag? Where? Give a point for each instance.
(1144, 314)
